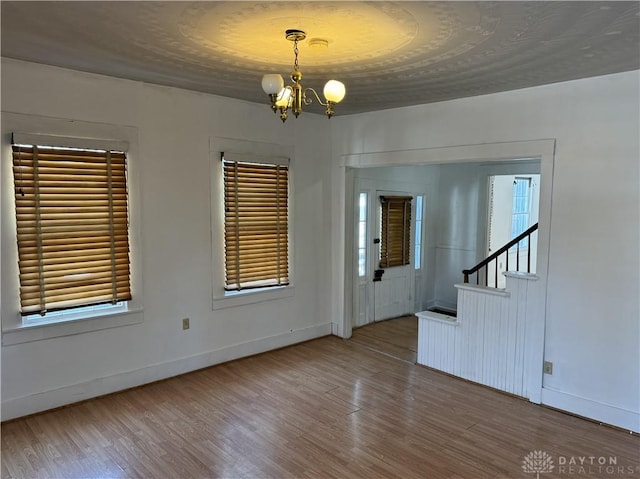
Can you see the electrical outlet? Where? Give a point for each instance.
(548, 367)
(185, 323)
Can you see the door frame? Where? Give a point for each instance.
(342, 215)
(362, 287)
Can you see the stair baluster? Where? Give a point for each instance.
(494, 257)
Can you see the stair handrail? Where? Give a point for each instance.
(492, 256)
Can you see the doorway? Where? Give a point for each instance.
(513, 208)
(342, 269)
(384, 277)
(386, 247)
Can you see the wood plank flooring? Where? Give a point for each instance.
(396, 337)
(328, 408)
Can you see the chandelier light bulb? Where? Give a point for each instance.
(284, 96)
(272, 83)
(334, 91)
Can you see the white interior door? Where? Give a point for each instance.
(393, 293)
(394, 284)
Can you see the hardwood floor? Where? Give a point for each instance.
(396, 337)
(327, 408)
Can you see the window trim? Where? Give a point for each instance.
(523, 245)
(221, 299)
(418, 240)
(25, 333)
(362, 195)
(58, 141)
(14, 329)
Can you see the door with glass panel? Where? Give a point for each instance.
(394, 273)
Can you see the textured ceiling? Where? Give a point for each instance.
(388, 54)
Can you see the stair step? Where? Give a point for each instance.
(447, 312)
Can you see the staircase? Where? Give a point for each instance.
(496, 337)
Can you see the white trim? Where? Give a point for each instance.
(483, 289)
(334, 329)
(438, 317)
(42, 401)
(490, 152)
(251, 158)
(69, 142)
(37, 332)
(605, 413)
(521, 275)
(248, 296)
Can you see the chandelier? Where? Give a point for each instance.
(292, 97)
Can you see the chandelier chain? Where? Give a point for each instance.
(295, 50)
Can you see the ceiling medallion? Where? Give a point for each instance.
(293, 96)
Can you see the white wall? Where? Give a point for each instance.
(591, 308)
(458, 225)
(173, 167)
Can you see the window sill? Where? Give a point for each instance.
(37, 332)
(230, 300)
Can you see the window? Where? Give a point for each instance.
(521, 210)
(396, 231)
(417, 257)
(362, 234)
(72, 227)
(256, 232)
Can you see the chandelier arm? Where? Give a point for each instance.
(308, 101)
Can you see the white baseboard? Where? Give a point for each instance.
(22, 406)
(605, 413)
(336, 330)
